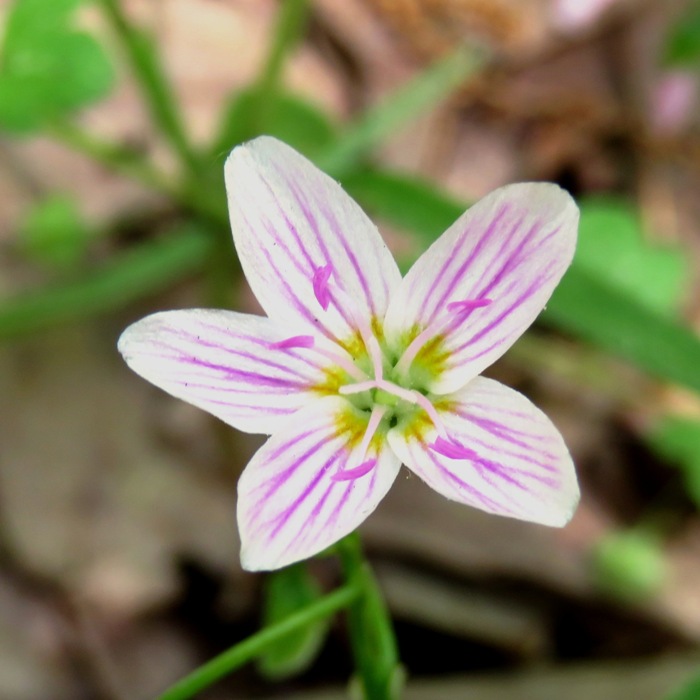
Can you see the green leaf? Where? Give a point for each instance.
(29, 20)
(48, 69)
(630, 564)
(407, 103)
(683, 40)
(289, 118)
(689, 691)
(611, 246)
(143, 270)
(678, 440)
(409, 202)
(286, 592)
(53, 232)
(592, 309)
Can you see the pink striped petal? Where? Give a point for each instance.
(501, 454)
(291, 505)
(510, 250)
(310, 254)
(238, 367)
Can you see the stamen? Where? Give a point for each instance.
(344, 301)
(355, 473)
(344, 362)
(296, 341)
(459, 309)
(357, 388)
(451, 449)
(320, 284)
(372, 424)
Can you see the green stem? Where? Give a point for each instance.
(252, 647)
(154, 86)
(371, 632)
(291, 22)
(289, 27)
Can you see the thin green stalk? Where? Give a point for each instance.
(154, 86)
(371, 632)
(405, 104)
(252, 647)
(290, 25)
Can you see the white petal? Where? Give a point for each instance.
(518, 464)
(511, 248)
(238, 367)
(289, 505)
(291, 221)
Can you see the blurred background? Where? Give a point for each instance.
(119, 564)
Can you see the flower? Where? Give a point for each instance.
(355, 370)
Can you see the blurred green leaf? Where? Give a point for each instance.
(678, 440)
(289, 118)
(53, 232)
(587, 306)
(287, 591)
(630, 564)
(404, 105)
(48, 69)
(683, 41)
(143, 270)
(611, 246)
(409, 202)
(689, 691)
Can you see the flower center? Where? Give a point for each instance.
(384, 402)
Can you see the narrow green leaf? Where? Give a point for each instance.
(409, 202)
(595, 311)
(612, 246)
(140, 271)
(246, 650)
(286, 592)
(404, 105)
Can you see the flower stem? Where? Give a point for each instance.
(249, 648)
(154, 86)
(371, 632)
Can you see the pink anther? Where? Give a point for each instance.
(296, 341)
(355, 473)
(451, 449)
(467, 305)
(320, 283)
